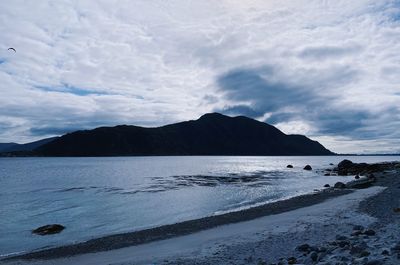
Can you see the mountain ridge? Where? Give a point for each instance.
(211, 134)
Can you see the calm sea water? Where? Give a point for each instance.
(94, 197)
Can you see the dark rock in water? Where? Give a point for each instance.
(48, 229)
(345, 164)
(339, 185)
(331, 164)
(327, 186)
(289, 166)
(307, 167)
(327, 174)
(357, 177)
(303, 248)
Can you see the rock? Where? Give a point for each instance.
(369, 232)
(357, 232)
(292, 260)
(314, 256)
(307, 167)
(343, 243)
(327, 174)
(345, 164)
(327, 186)
(303, 248)
(357, 250)
(339, 185)
(331, 164)
(357, 177)
(385, 252)
(48, 229)
(396, 210)
(364, 253)
(289, 166)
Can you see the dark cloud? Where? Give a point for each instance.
(240, 110)
(254, 85)
(285, 101)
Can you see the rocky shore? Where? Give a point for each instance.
(354, 223)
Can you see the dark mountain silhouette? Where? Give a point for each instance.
(14, 147)
(211, 134)
(4, 146)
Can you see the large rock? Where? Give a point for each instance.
(345, 164)
(339, 185)
(307, 167)
(289, 166)
(48, 229)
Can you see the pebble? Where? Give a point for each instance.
(303, 248)
(314, 256)
(369, 232)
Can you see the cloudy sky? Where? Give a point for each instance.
(326, 69)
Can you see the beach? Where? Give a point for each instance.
(333, 226)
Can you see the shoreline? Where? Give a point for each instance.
(187, 228)
(128, 239)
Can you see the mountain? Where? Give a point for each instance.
(211, 134)
(4, 146)
(14, 147)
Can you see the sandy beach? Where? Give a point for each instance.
(334, 226)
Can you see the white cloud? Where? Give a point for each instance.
(155, 62)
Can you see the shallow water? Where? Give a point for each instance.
(94, 197)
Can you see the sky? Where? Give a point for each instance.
(327, 69)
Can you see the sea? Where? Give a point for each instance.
(98, 196)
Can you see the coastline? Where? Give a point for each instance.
(171, 232)
(183, 228)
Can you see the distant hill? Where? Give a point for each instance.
(4, 146)
(14, 147)
(211, 134)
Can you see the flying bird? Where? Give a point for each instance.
(11, 49)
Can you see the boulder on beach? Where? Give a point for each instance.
(345, 164)
(48, 229)
(307, 167)
(289, 166)
(327, 186)
(339, 185)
